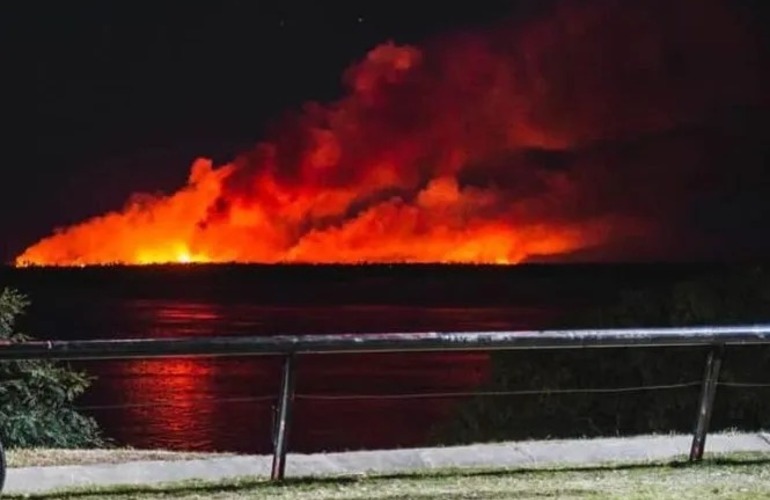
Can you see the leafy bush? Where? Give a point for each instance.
(727, 297)
(37, 397)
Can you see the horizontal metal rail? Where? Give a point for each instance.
(383, 342)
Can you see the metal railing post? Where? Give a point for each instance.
(706, 403)
(274, 425)
(281, 436)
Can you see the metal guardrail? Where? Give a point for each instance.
(292, 347)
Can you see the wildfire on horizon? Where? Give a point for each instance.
(583, 128)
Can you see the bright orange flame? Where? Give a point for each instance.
(437, 227)
(436, 154)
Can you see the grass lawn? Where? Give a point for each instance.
(42, 457)
(745, 476)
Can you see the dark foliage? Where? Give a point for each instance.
(37, 397)
(737, 296)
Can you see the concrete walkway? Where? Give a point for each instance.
(515, 454)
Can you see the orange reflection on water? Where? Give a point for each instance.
(187, 312)
(189, 403)
(175, 318)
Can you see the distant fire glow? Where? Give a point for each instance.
(535, 139)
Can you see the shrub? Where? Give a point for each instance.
(727, 297)
(37, 397)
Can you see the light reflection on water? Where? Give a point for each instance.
(173, 318)
(204, 403)
(209, 403)
(185, 403)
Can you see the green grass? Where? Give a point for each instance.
(44, 457)
(739, 476)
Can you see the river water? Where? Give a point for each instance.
(225, 404)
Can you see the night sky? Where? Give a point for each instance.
(123, 96)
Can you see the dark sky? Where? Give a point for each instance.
(121, 96)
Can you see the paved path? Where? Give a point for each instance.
(523, 454)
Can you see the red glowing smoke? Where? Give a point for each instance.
(594, 125)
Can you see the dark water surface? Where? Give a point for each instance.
(225, 403)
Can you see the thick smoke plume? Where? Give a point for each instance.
(599, 128)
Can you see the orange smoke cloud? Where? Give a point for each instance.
(571, 132)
